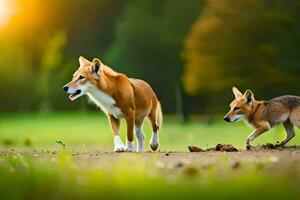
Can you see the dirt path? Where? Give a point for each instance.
(195, 174)
(284, 161)
(282, 155)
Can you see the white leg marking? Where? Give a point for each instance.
(154, 141)
(140, 139)
(119, 146)
(129, 146)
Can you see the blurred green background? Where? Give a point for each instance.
(191, 51)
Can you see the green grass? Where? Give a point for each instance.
(36, 173)
(92, 129)
(131, 176)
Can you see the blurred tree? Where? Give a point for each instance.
(247, 43)
(34, 42)
(51, 60)
(15, 79)
(148, 43)
(89, 24)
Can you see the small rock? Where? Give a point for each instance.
(190, 171)
(195, 149)
(160, 165)
(179, 164)
(236, 165)
(273, 159)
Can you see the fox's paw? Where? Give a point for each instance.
(119, 148)
(248, 147)
(154, 146)
(154, 141)
(279, 144)
(129, 146)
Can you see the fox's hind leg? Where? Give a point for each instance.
(156, 119)
(295, 117)
(138, 129)
(289, 127)
(154, 141)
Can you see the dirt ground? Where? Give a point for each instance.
(170, 159)
(194, 173)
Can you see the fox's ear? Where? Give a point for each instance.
(83, 61)
(96, 66)
(236, 92)
(249, 97)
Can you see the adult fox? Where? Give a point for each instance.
(119, 97)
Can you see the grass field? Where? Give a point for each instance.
(92, 130)
(34, 166)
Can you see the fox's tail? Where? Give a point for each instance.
(159, 115)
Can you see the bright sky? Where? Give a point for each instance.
(7, 10)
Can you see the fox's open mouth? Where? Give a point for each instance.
(74, 95)
(235, 120)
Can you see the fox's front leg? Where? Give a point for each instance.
(115, 126)
(258, 131)
(130, 117)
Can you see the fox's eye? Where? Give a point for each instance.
(81, 77)
(236, 108)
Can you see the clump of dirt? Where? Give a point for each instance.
(272, 147)
(195, 149)
(211, 149)
(268, 146)
(219, 147)
(226, 147)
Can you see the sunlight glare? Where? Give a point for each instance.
(7, 10)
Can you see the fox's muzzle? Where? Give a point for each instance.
(65, 88)
(227, 119)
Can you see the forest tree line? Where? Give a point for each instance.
(192, 52)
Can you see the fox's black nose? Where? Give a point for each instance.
(66, 88)
(226, 119)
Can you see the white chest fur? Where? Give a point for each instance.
(105, 102)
